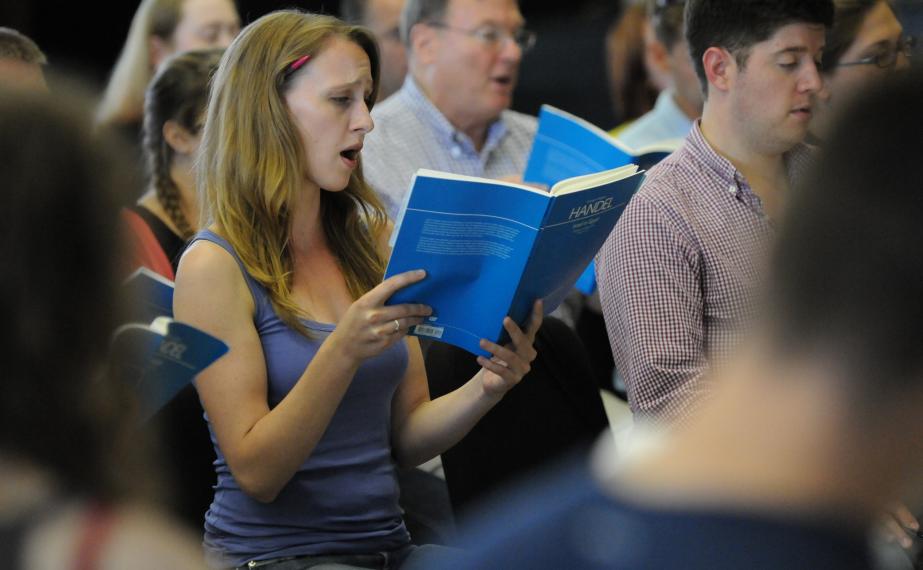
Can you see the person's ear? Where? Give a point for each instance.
(720, 68)
(423, 42)
(159, 49)
(179, 138)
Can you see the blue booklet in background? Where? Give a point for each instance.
(491, 248)
(161, 358)
(153, 352)
(149, 294)
(566, 146)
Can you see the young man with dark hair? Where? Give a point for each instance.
(676, 276)
(815, 424)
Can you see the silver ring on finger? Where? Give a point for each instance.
(397, 326)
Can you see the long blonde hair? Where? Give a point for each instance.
(123, 100)
(252, 162)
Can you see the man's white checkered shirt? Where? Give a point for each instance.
(679, 274)
(411, 133)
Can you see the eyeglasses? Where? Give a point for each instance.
(494, 37)
(887, 58)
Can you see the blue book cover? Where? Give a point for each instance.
(150, 295)
(481, 240)
(161, 358)
(566, 146)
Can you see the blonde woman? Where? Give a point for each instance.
(321, 391)
(159, 29)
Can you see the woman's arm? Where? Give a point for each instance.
(423, 428)
(264, 447)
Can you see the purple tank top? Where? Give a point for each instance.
(344, 498)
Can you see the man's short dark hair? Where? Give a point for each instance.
(14, 45)
(848, 272)
(736, 25)
(666, 17)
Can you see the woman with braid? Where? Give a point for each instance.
(174, 110)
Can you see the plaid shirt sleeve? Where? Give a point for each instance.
(651, 293)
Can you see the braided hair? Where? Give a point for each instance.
(178, 92)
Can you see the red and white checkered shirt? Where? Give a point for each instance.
(678, 275)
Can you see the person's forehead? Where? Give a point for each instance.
(879, 24)
(388, 10)
(20, 74)
(342, 61)
(208, 10)
(482, 10)
(794, 36)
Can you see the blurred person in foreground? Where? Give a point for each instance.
(814, 426)
(72, 472)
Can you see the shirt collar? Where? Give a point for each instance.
(796, 160)
(423, 108)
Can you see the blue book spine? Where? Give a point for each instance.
(150, 295)
(576, 227)
(473, 238)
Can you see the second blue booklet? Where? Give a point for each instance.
(490, 248)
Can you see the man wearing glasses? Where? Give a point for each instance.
(452, 113)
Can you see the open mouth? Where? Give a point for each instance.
(504, 80)
(350, 154)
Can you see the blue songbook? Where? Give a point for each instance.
(491, 248)
(566, 146)
(161, 358)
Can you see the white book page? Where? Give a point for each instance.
(593, 180)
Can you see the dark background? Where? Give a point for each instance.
(566, 68)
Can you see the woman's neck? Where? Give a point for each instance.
(307, 229)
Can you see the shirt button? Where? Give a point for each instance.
(456, 151)
(732, 189)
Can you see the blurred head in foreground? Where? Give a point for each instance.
(58, 242)
(813, 428)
